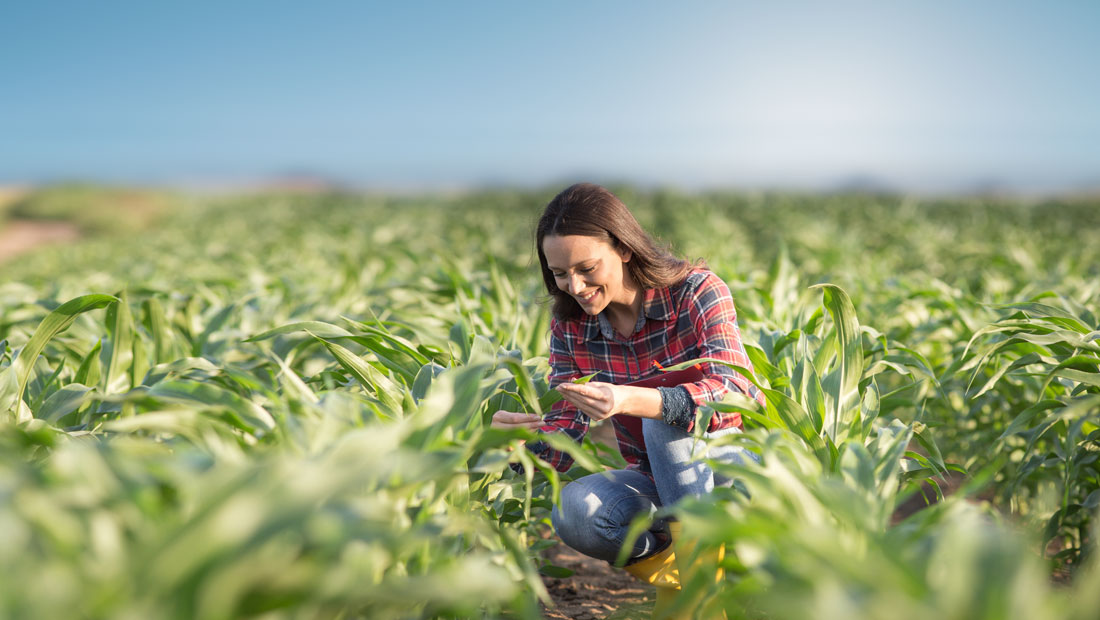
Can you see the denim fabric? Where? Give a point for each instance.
(596, 510)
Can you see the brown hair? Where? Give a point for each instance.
(593, 211)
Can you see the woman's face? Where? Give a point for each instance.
(590, 270)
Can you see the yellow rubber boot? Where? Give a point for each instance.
(685, 549)
(659, 570)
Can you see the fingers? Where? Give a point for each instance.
(582, 395)
(507, 420)
(578, 389)
(583, 402)
(595, 400)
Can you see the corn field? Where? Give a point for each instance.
(277, 406)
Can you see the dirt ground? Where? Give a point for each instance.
(19, 236)
(595, 590)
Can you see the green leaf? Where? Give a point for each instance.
(584, 379)
(849, 362)
(156, 321)
(118, 352)
(90, 368)
(394, 340)
(810, 394)
(244, 414)
(368, 376)
(54, 323)
(562, 443)
(317, 328)
(1055, 315)
(741, 370)
(558, 572)
(63, 402)
(198, 348)
(423, 379)
(524, 384)
(784, 409)
(548, 399)
(1026, 360)
(868, 410)
(1023, 420)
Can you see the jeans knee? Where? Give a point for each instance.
(573, 515)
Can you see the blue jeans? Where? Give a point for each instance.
(596, 510)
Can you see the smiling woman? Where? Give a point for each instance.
(623, 308)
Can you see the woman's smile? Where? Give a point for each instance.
(587, 298)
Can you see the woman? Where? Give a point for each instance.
(624, 307)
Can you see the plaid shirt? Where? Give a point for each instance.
(693, 319)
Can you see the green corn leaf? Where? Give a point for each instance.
(63, 402)
(423, 380)
(1026, 360)
(90, 367)
(118, 353)
(54, 323)
(525, 385)
(868, 411)
(218, 321)
(580, 456)
(242, 413)
(844, 379)
(741, 370)
(397, 342)
(1023, 420)
(156, 322)
(388, 392)
(317, 328)
(1052, 314)
(45, 386)
(811, 395)
(140, 364)
(294, 384)
(548, 399)
(391, 358)
(793, 417)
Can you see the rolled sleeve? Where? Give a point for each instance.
(677, 408)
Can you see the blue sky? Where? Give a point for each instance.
(920, 95)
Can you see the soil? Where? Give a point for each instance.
(595, 590)
(21, 236)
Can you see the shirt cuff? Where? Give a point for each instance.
(677, 407)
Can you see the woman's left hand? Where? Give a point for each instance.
(595, 399)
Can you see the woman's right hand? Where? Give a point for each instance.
(508, 420)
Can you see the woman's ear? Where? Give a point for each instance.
(625, 254)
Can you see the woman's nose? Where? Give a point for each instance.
(575, 284)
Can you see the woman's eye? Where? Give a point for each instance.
(587, 270)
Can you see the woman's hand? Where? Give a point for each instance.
(595, 399)
(508, 420)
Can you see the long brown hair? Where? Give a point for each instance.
(593, 211)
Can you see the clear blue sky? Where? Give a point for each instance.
(923, 95)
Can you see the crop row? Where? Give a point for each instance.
(279, 405)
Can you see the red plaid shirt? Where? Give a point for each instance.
(693, 319)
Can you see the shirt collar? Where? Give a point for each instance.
(657, 306)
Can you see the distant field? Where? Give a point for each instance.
(9, 195)
(277, 405)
